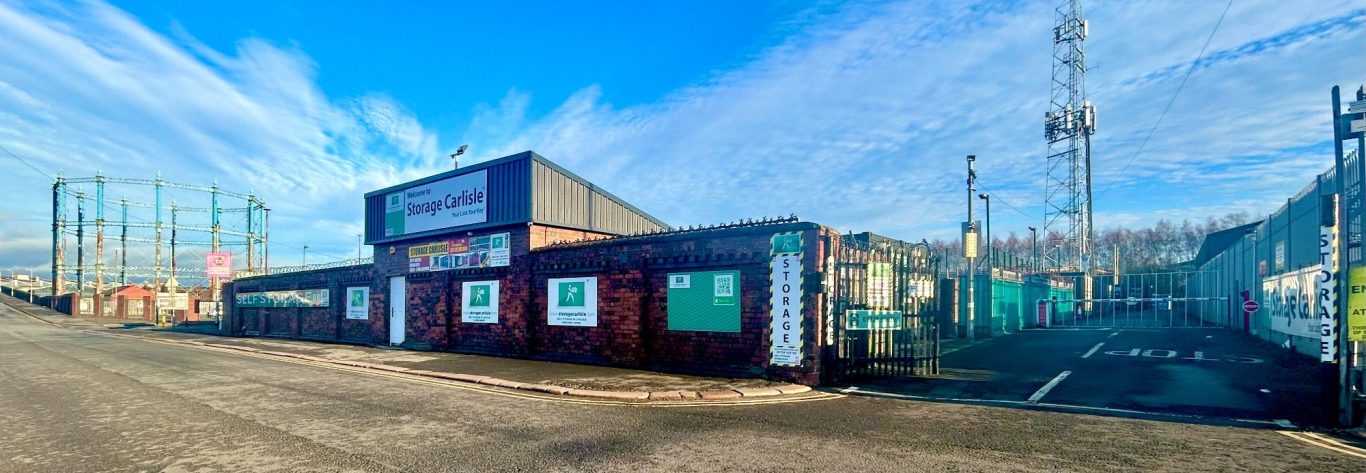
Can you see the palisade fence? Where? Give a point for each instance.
(1277, 262)
(346, 263)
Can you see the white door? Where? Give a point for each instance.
(398, 304)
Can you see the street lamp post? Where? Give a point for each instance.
(305, 261)
(991, 264)
(1034, 249)
(991, 259)
(360, 243)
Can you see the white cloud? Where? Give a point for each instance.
(859, 118)
(862, 123)
(87, 88)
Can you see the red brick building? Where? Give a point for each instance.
(468, 261)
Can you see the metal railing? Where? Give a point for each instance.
(346, 263)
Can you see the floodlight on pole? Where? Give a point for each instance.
(455, 157)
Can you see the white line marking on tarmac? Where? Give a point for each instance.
(911, 397)
(1092, 351)
(1048, 387)
(1113, 334)
(1325, 442)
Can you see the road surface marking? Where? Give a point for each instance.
(1113, 334)
(1092, 351)
(1048, 387)
(1325, 442)
(856, 391)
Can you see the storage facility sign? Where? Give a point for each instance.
(461, 253)
(1327, 295)
(879, 285)
(296, 298)
(479, 302)
(218, 265)
(572, 302)
(704, 301)
(450, 202)
(1290, 299)
(357, 303)
(859, 319)
(1356, 305)
(785, 325)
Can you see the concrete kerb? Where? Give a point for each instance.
(775, 392)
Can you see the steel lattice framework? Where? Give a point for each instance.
(1068, 127)
(157, 251)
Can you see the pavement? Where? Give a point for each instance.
(564, 379)
(78, 400)
(1207, 374)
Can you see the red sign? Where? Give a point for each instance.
(1043, 314)
(1251, 306)
(218, 265)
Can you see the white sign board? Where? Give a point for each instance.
(572, 302)
(479, 302)
(1328, 294)
(173, 301)
(357, 303)
(785, 323)
(450, 202)
(1290, 301)
(680, 281)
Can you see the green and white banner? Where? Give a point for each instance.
(479, 302)
(785, 325)
(450, 202)
(572, 302)
(297, 298)
(704, 301)
(357, 303)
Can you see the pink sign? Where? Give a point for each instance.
(218, 265)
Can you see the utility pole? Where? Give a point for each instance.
(360, 243)
(305, 262)
(970, 250)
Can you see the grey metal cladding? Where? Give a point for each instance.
(566, 200)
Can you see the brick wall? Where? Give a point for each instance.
(632, 328)
(543, 235)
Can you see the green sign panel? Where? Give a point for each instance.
(705, 301)
(787, 243)
(872, 319)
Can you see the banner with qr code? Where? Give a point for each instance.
(704, 301)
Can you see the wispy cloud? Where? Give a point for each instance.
(858, 117)
(87, 87)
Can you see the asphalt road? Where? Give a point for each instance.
(76, 401)
(1211, 373)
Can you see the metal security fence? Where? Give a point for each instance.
(1280, 252)
(884, 307)
(1148, 300)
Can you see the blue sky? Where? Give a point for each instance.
(855, 115)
